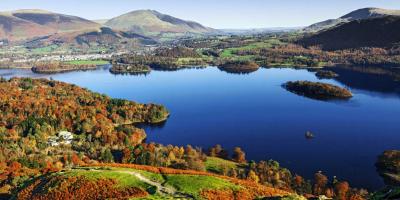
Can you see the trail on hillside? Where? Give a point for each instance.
(164, 190)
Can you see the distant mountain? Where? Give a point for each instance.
(102, 37)
(100, 21)
(26, 24)
(152, 23)
(258, 30)
(373, 32)
(364, 13)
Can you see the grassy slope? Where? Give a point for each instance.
(193, 185)
(229, 53)
(124, 180)
(217, 165)
(88, 62)
(177, 183)
(187, 184)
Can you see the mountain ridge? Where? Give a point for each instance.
(359, 14)
(30, 23)
(153, 23)
(382, 32)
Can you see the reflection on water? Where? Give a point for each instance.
(254, 112)
(369, 80)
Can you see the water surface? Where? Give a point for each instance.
(253, 111)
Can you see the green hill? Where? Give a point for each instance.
(129, 183)
(153, 23)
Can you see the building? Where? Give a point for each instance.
(63, 137)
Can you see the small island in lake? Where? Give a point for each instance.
(325, 74)
(239, 67)
(57, 67)
(317, 90)
(119, 68)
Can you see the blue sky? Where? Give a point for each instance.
(213, 13)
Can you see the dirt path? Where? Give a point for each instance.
(160, 188)
(163, 190)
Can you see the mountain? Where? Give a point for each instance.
(255, 31)
(100, 21)
(26, 24)
(364, 13)
(89, 38)
(374, 32)
(153, 23)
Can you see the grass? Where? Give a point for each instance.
(155, 197)
(152, 176)
(217, 165)
(124, 180)
(229, 53)
(87, 62)
(43, 50)
(290, 197)
(193, 185)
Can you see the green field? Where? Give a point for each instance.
(193, 185)
(44, 50)
(229, 53)
(88, 62)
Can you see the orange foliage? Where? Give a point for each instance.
(78, 188)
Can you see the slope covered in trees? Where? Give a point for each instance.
(34, 110)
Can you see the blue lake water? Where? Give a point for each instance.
(253, 111)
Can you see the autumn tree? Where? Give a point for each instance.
(320, 182)
(238, 155)
(252, 176)
(341, 190)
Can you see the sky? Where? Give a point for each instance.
(237, 14)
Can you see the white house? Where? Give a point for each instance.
(63, 137)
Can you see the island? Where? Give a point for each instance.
(58, 67)
(239, 67)
(317, 90)
(119, 68)
(326, 74)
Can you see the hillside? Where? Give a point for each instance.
(25, 24)
(375, 32)
(153, 23)
(360, 14)
(135, 181)
(103, 37)
(13, 28)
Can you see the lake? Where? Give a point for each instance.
(253, 111)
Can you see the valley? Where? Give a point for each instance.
(145, 105)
